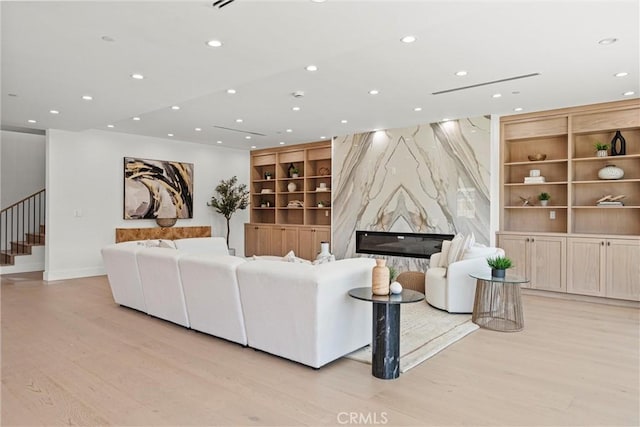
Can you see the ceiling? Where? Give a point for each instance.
(53, 53)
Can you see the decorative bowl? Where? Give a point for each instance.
(537, 157)
(166, 222)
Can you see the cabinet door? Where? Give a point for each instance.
(257, 240)
(623, 269)
(306, 243)
(547, 258)
(516, 247)
(585, 266)
(283, 240)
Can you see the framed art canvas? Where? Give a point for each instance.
(157, 189)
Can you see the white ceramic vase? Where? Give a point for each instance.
(610, 172)
(292, 187)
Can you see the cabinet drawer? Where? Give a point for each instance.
(548, 127)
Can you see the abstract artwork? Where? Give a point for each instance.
(157, 189)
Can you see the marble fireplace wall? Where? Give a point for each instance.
(424, 179)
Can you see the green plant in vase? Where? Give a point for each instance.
(544, 198)
(601, 149)
(499, 265)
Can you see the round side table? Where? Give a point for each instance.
(498, 305)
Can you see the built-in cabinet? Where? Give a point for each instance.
(290, 207)
(575, 243)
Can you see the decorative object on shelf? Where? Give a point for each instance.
(323, 204)
(292, 187)
(618, 138)
(166, 222)
(499, 265)
(157, 188)
(380, 278)
(537, 157)
(266, 190)
(526, 201)
(322, 187)
(544, 198)
(292, 170)
(231, 197)
(610, 200)
(324, 171)
(534, 172)
(268, 175)
(534, 179)
(265, 203)
(610, 172)
(295, 204)
(601, 149)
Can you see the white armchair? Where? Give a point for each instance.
(451, 288)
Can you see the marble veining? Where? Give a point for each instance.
(424, 179)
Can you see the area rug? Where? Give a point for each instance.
(424, 331)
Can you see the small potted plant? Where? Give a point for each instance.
(499, 265)
(264, 203)
(601, 149)
(294, 172)
(544, 198)
(268, 175)
(323, 204)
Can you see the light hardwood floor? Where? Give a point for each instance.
(72, 356)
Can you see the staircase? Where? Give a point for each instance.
(22, 235)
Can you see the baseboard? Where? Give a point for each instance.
(49, 276)
(22, 268)
(582, 298)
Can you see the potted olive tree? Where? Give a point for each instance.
(230, 197)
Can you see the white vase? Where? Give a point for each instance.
(610, 172)
(324, 249)
(292, 187)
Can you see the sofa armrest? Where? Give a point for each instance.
(434, 260)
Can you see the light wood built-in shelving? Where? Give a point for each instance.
(567, 137)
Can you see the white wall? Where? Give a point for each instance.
(84, 181)
(22, 165)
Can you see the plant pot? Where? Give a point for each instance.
(544, 202)
(602, 153)
(294, 175)
(498, 273)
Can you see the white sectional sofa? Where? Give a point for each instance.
(297, 311)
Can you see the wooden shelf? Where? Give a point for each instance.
(522, 184)
(606, 207)
(536, 162)
(536, 207)
(606, 159)
(607, 181)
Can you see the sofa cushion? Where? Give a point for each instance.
(455, 249)
(477, 251)
(201, 245)
(444, 254)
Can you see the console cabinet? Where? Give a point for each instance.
(293, 209)
(594, 233)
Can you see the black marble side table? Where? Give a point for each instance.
(385, 343)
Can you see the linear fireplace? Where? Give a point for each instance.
(414, 245)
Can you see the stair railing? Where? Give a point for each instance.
(20, 219)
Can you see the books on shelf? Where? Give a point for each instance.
(610, 204)
(534, 179)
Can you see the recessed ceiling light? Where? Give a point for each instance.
(214, 43)
(408, 39)
(198, 129)
(343, 121)
(609, 40)
(54, 111)
(318, 1)
(239, 120)
(87, 97)
(169, 134)
(622, 74)
(137, 76)
(289, 130)
(231, 91)
(218, 142)
(136, 118)
(247, 137)
(31, 121)
(323, 137)
(417, 109)
(496, 95)
(175, 107)
(461, 73)
(295, 108)
(281, 142)
(110, 126)
(253, 146)
(311, 68)
(629, 93)
(517, 109)
(374, 92)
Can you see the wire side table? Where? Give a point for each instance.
(498, 305)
